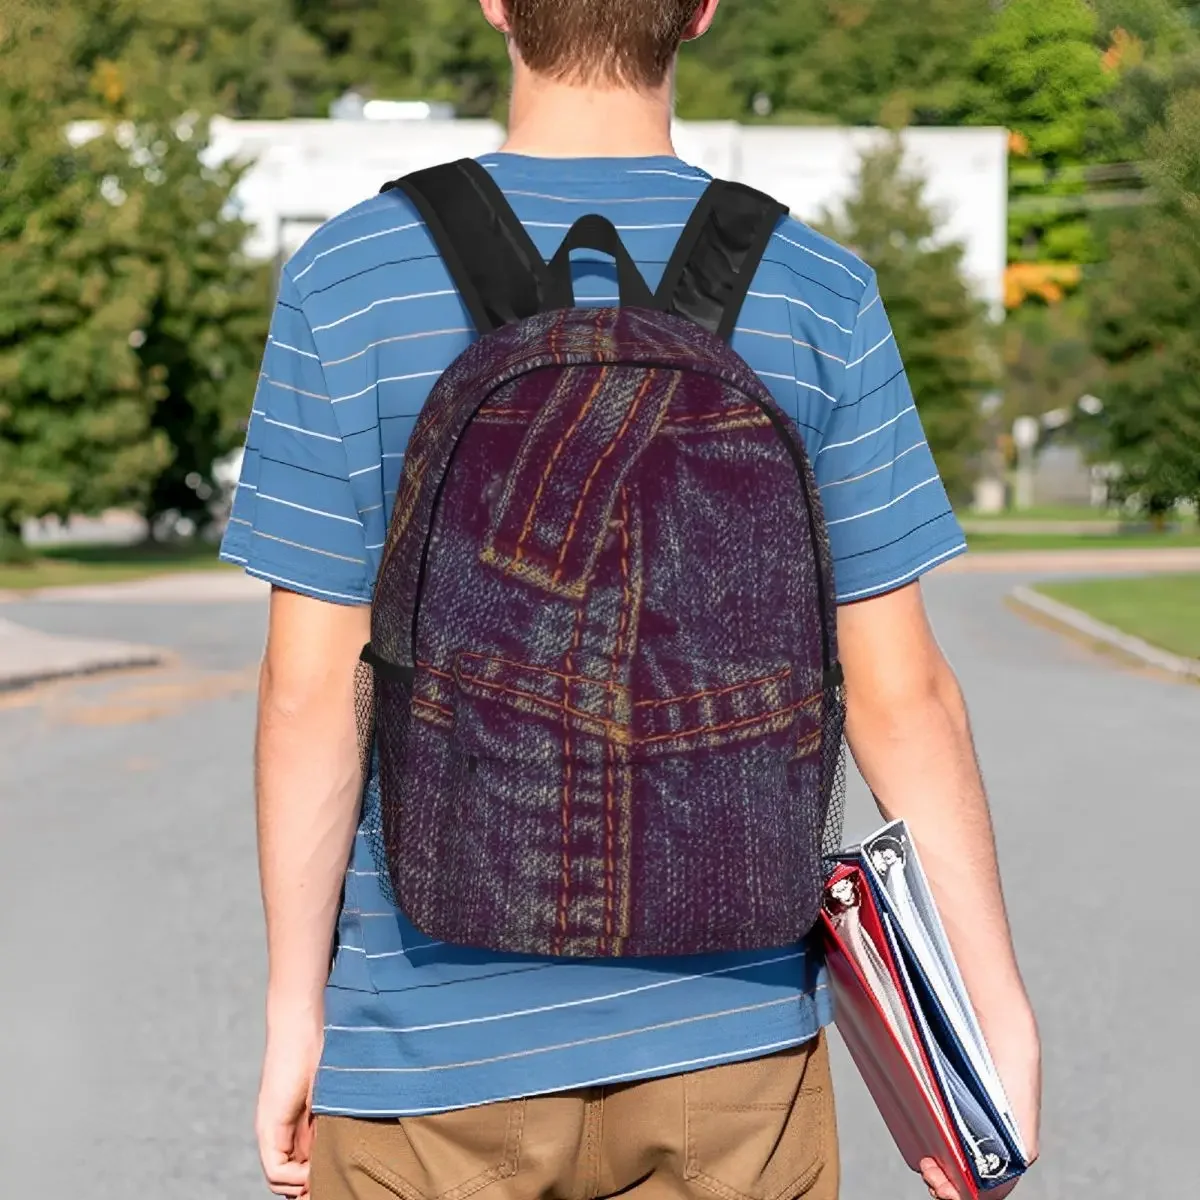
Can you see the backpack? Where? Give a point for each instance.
(602, 687)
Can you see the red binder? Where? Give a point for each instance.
(914, 1112)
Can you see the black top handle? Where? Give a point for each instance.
(595, 232)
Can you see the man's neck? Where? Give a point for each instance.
(549, 119)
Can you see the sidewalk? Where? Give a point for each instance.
(28, 656)
(1083, 562)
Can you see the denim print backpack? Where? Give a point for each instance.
(602, 682)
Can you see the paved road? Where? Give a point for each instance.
(131, 948)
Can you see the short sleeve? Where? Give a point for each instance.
(888, 515)
(294, 522)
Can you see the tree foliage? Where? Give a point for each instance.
(1146, 325)
(130, 324)
(941, 329)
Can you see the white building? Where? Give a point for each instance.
(305, 172)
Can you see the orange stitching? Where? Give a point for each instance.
(689, 418)
(511, 662)
(609, 782)
(564, 894)
(424, 666)
(733, 687)
(437, 708)
(596, 467)
(527, 528)
(741, 722)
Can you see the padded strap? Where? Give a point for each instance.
(714, 263)
(491, 258)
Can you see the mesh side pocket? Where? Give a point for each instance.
(389, 750)
(833, 767)
(364, 715)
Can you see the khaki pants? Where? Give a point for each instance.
(759, 1130)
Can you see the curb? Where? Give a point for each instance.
(34, 657)
(1079, 622)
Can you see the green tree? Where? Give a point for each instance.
(243, 58)
(1040, 72)
(204, 332)
(942, 330)
(1146, 325)
(75, 400)
(857, 62)
(130, 322)
(443, 51)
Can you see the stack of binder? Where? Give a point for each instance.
(905, 1015)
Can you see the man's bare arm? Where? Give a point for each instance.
(908, 729)
(309, 788)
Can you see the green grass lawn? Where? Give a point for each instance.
(1162, 609)
(59, 566)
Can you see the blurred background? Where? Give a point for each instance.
(1025, 178)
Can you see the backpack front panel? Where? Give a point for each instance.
(615, 737)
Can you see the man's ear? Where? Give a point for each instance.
(698, 26)
(496, 14)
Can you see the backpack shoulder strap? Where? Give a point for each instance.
(491, 258)
(714, 263)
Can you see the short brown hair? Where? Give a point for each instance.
(631, 42)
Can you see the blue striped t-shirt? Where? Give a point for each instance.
(366, 321)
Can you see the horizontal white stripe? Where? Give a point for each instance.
(882, 342)
(301, 587)
(545, 1008)
(294, 349)
(559, 1046)
(240, 521)
(385, 379)
(311, 549)
(672, 174)
(250, 487)
(400, 337)
(862, 312)
(363, 874)
(870, 432)
(233, 558)
(378, 303)
(823, 257)
(365, 470)
(604, 200)
(812, 387)
(371, 508)
(376, 545)
(874, 470)
(325, 437)
(287, 387)
(316, 512)
(619, 228)
(787, 337)
(367, 237)
(671, 1068)
(870, 512)
(800, 304)
(401, 455)
(907, 577)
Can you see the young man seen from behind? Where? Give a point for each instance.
(419, 1068)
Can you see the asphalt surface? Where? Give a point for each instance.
(131, 959)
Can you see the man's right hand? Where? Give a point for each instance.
(283, 1122)
(1017, 1054)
